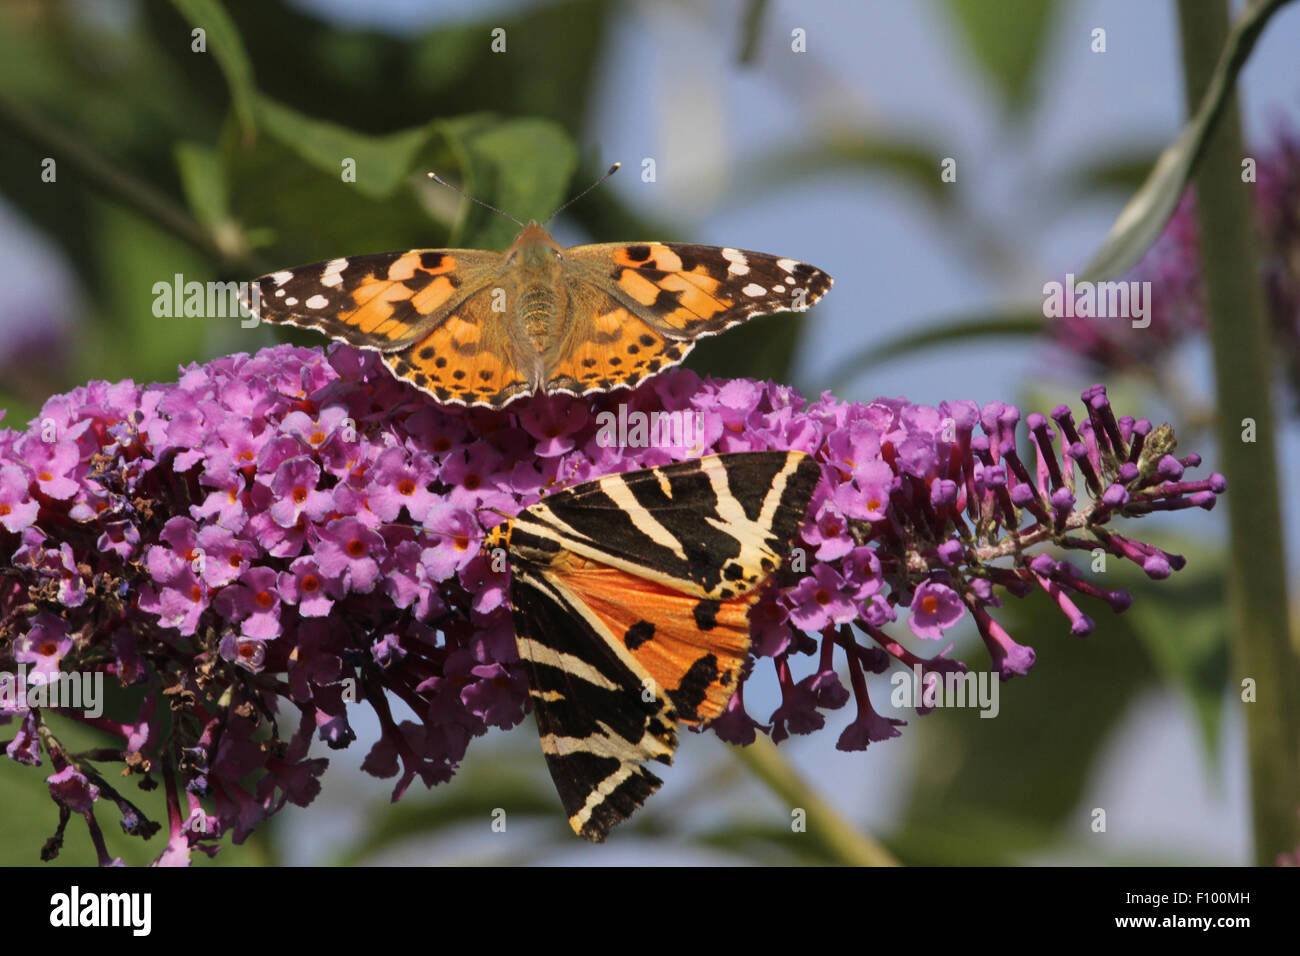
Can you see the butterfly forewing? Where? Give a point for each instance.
(631, 596)
(388, 301)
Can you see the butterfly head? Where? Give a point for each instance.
(533, 248)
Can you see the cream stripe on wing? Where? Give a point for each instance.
(531, 650)
(649, 745)
(752, 535)
(599, 793)
(616, 489)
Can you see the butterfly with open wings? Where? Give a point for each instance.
(474, 327)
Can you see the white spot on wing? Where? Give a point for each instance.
(281, 277)
(332, 275)
(786, 265)
(317, 301)
(739, 264)
(754, 289)
(291, 301)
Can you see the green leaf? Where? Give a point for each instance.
(225, 45)
(1183, 624)
(505, 776)
(751, 29)
(1033, 760)
(128, 340)
(380, 163)
(1124, 172)
(30, 815)
(916, 164)
(1143, 218)
(1007, 39)
(521, 166)
(203, 177)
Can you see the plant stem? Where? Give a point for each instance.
(837, 836)
(1259, 633)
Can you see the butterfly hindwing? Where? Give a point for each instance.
(466, 359)
(597, 727)
(691, 647)
(631, 596)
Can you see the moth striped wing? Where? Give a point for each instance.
(714, 527)
(631, 596)
(596, 726)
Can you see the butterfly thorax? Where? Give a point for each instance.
(540, 304)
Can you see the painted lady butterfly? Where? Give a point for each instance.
(472, 327)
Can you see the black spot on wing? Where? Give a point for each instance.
(638, 634)
(694, 688)
(706, 615)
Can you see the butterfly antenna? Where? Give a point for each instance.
(456, 189)
(609, 172)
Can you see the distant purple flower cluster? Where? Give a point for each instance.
(1173, 267)
(298, 530)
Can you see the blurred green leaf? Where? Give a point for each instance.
(1143, 218)
(222, 38)
(1183, 624)
(17, 412)
(1007, 38)
(767, 844)
(522, 166)
(481, 787)
(30, 815)
(1031, 762)
(751, 30)
(128, 340)
(1014, 322)
(380, 163)
(1124, 172)
(916, 164)
(203, 177)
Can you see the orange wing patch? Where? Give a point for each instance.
(462, 361)
(693, 648)
(612, 348)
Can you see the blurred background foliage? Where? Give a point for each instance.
(225, 164)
